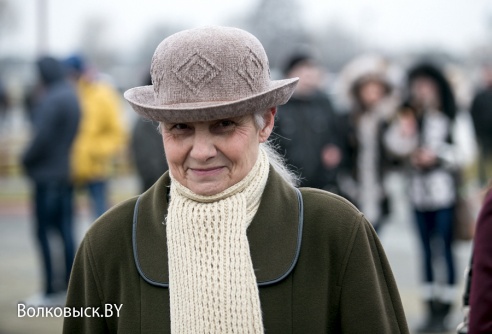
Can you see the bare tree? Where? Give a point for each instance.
(278, 25)
(337, 45)
(140, 62)
(8, 19)
(152, 38)
(95, 44)
(481, 53)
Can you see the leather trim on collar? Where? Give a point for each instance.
(274, 235)
(135, 249)
(298, 247)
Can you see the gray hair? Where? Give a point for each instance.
(276, 160)
(278, 163)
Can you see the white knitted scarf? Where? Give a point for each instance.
(212, 283)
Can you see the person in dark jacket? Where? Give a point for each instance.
(481, 113)
(147, 150)
(55, 119)
(4, 104)
(480, 316)
(307, 127)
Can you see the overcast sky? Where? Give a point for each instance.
(453, 24)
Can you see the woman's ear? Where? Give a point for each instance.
(269, 118)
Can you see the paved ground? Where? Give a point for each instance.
(400, 244)
(19, 269)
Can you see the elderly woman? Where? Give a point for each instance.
(224, 242)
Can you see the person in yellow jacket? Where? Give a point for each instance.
(101, 134)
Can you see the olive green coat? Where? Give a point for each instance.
(325, 273)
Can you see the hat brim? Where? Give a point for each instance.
(142, 101)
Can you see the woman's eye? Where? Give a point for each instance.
(223, 126)
(180, 126)
(226, 123)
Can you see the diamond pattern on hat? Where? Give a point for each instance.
(251, 70)
(196, 71)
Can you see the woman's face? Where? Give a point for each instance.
(310, 78)
(424, 90)
(209, 157)
(371, 93)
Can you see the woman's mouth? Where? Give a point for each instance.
(204, 172)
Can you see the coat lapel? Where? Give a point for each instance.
(274, 234)
(149, 233)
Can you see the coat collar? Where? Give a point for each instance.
(274, 234)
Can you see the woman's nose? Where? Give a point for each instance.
(203, 147)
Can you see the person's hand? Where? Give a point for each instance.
(331, 156)
(407, 124)
(424, 158)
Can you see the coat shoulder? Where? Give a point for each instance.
(113, 229)
(329, 202)
(329, 212)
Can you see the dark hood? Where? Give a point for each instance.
(50, 70)
(434, 72)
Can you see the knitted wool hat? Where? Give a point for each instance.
(209, 73)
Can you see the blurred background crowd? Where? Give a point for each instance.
(393, 111)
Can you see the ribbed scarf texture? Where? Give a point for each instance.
(212, 283)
